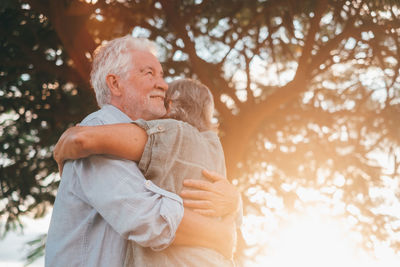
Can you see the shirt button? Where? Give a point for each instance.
(147, 183)
(160, 128)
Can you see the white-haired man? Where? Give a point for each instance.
(104, 202)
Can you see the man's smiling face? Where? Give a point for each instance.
(144, 87)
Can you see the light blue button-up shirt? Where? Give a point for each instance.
(104, 201)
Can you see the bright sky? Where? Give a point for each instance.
(13, 248)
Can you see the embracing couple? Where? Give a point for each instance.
(127, 166)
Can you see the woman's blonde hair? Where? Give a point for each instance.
(192, 102)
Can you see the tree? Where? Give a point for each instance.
(307, 93)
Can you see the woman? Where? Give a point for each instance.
(167, 152)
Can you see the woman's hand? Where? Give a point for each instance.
(216, 198)
(70, 146)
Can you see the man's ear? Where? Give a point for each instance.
(113, 84)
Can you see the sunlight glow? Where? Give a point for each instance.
(314, 239)
(311, 242)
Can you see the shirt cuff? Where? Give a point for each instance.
(172, 214)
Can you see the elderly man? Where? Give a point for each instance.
(104, 202)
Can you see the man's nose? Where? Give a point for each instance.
(161, 84)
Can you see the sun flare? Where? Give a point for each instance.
(315, 240)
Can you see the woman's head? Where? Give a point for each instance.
(192, 102)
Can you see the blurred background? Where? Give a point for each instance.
(307, 95)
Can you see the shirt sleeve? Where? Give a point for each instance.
(160, 147)
(133, 206)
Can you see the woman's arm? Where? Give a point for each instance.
(125, 140)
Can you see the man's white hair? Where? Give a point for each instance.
(114, 58)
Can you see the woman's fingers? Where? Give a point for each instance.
(218, 195)
(213, 176)
(60, 167)
(203, 207)
(206, 212)
(197, 204)
(198, 184)
(195, 194)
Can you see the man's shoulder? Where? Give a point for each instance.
(94, 118)
(106, 115)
